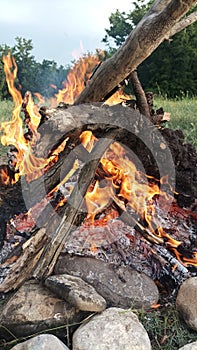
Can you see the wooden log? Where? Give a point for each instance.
(97, 118)
(21, 270)
(53, 249)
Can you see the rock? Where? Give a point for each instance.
(186, 302)
(77, 292)
(113, 329)
(34, 308)
(121, 287)
(191, 346)
(41, 342)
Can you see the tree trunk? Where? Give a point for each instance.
(142, 41)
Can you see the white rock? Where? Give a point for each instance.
(41, 342)
(186, 302)
(113, 329)
(191, 346)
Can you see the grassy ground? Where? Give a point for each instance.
(6, 108)
(183, 116)
(165, 329)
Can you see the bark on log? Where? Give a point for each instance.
(192, 18)
(97, 118)
(142, 41)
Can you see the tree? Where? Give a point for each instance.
(32, 75)
(150, 32)
(122, 23)
(49, 77)
(171, 68)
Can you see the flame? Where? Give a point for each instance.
(128, 187)
(77, 78)
(118, 97)
(123, 180)
(88, 140)
(13, 131)
(4, 175)
(40, 98)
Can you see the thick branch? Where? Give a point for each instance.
(142, 41)
(54, 247)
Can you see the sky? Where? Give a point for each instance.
(61, 30)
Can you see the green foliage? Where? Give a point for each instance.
(171, 69)
(121, 23)
(32, 75)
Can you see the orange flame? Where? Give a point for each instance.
(127, 186)
(13, 131)
(77, 78)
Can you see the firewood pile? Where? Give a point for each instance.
(96, 180)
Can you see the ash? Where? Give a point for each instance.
(116, 242)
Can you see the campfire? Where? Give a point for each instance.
(82, 187)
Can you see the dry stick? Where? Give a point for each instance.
(53, 248)
(192, 18)
(131, 221)
(32, 250)
(139, 94)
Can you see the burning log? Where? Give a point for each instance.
(73, 121)
(58, 236)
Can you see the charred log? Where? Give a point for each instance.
(152, 146)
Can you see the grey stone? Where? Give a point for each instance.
(121, 287)
(186, 302)
(34, 308)
(191, 346)
(77, 292)
(113, 329)
(41, 342)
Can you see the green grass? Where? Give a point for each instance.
(183, 116)
(6, 108)
(165, 329)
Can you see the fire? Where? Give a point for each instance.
(118, 181)
(77, 78)
(123, 181)
(13, 131)
(127, 187)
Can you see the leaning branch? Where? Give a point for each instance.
(142, 41)
(192, 18)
